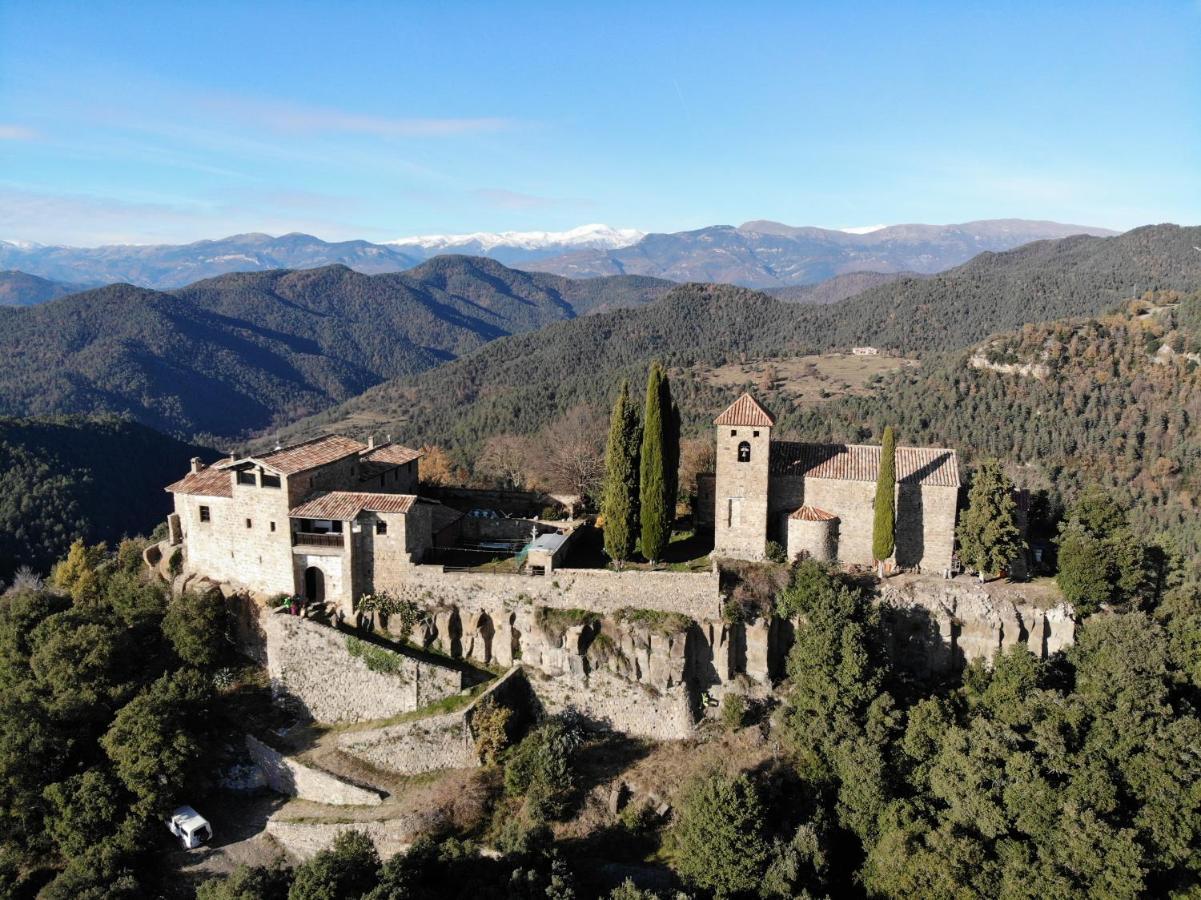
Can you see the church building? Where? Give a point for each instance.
(819, 499)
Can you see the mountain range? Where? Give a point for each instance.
(757, 254)
(767, 254)
(521, 383)
(239, 353)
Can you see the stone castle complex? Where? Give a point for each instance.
(333, 520)
(650, 653)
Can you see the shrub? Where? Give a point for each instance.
(490, 724)
(175, 562)
(733, 711)
(718, 844)
(248, 883)
(196, 624)
(540, 767)
(377, 659)
(349, 868)
(775, 552)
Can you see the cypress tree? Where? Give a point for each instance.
(671, 448)
(654, 509)
(884, 527)
(619, 498)
(989, 537)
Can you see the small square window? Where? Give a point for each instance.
(756, 434)
(272, 526)
(248, 523)
(381, 527)
(204, 514)
(733, 432)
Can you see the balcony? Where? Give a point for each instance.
(315, 539)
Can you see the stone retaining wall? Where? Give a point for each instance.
(435, 742)
(694, 594)
(310, 662)
(303, 840)
(286, 776)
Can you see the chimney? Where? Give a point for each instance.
(197, 465)
(371, 442)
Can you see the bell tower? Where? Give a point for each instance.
(741, 483)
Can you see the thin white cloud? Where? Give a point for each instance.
(286, 117)
(10, 132)
(89, 219)
(514, 200)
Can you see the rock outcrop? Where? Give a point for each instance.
(940, 626)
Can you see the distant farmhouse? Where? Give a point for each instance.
(818, 499)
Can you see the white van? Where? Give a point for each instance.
(190, 827)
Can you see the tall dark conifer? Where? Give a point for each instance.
(619, 497)
(884, 527)
(654, 508)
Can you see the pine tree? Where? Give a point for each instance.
(654, 508)
(619, 497)
(989, 537)
(884, 527)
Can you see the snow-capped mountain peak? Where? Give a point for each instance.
(591, 237)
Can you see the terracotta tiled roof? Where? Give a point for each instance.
(345, 505)
(208, 482)
(860, 462)
(393, 454)
(746, 411)
(813, 514)
(310, 454)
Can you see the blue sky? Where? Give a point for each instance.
(171, 121)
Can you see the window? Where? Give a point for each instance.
(271, 481)
(735, 512)
(248, 523)
(272, 526)
(755, 433)
(744, 451)
(733, 432)
(246, 477)
(381, 527)
(204, 514)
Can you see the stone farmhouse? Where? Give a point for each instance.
(818, 499)
(325, 519)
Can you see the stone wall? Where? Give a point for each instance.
(286, 776)
(310, 663)
(694, 594)
(938, 626)
(304, 840)
(435, 742)
(609, 701)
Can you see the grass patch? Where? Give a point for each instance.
(453, 703)
(377, 659)
(555, 622)
(665, 623)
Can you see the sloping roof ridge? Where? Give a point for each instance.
(745, 411)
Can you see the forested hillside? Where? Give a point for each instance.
(99, 479)
(22, 289)
(1114, 401)
(235, 354)
(521, 383)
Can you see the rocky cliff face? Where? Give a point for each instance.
(938, 626)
